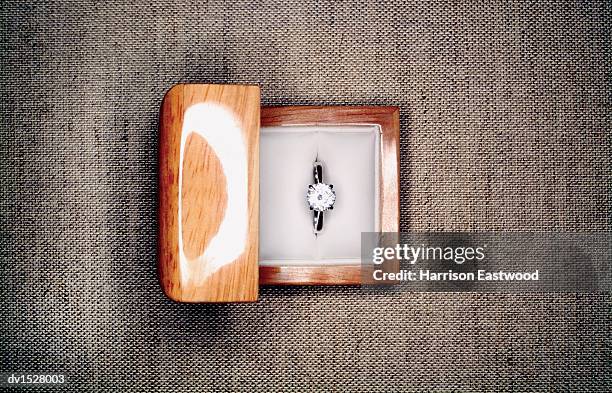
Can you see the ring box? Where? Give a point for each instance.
(232, 191)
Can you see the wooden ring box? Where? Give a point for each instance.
(217, 241)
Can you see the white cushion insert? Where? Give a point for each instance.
(350, 162)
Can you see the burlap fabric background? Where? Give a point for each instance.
(505, 126)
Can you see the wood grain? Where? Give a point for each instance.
(388, 120)
(201, 224)
(189, 274)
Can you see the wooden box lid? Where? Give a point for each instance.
(209, 193)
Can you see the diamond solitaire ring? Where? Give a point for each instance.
(320, 197)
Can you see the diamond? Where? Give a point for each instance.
(321, 196)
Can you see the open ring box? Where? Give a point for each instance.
(232, 191)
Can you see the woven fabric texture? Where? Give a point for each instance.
(505, 125)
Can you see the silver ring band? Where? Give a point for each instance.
(320, 197)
